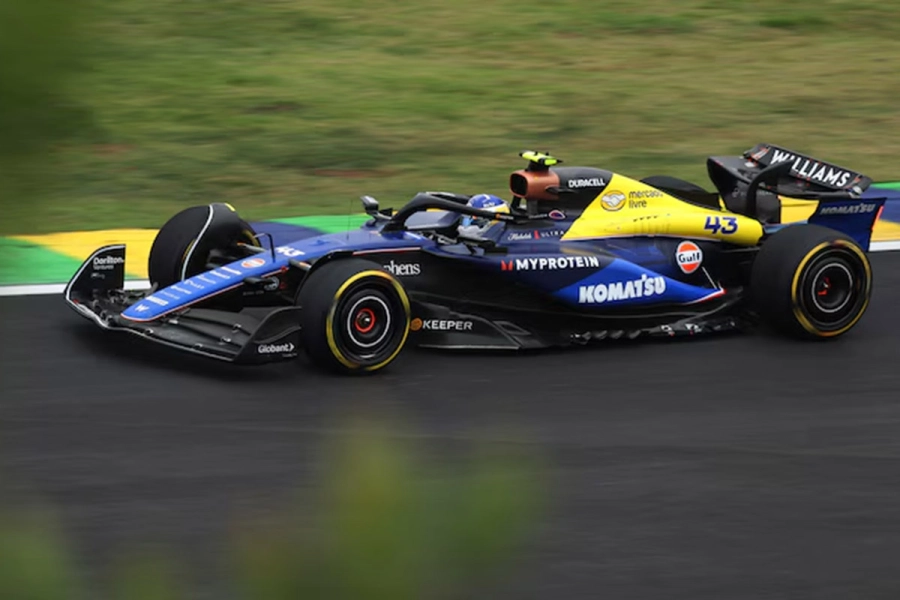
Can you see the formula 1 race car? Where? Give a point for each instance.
(582, 254)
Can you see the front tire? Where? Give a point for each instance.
(811, 282)
(182, 247)
(355, 316)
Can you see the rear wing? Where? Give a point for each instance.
(845, 202)
(812, 172)
(806, 176)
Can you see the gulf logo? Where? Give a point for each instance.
(253, 263)
(689, 257)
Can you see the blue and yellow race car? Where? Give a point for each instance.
(578, 254)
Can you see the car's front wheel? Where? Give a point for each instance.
(183, 245)
(355, 316)
(811, 281)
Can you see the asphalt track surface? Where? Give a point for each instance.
(739, 467)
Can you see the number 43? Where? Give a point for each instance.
(724, 225)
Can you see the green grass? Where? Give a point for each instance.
(288, 108)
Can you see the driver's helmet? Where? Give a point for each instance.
(471, 225)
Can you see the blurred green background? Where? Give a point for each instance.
(118, 113)
(382, 523)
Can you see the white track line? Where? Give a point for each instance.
(884, 246)
(58, 288)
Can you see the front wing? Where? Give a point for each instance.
(96, 293)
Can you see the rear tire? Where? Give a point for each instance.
(176, 254)
(673, 183)
(355, 316)
(811, 282)
(685, 190)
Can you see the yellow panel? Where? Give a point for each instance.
(629, 207)
(793, 210)
(80, 244)
(886, 231)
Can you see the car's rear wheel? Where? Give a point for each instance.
(183, 245)
(811, 281)
(673, 183)
(685, 190)
(355, 316)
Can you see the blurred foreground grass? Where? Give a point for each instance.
(386, 525)
(286, 108)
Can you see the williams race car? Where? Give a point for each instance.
(579, 254)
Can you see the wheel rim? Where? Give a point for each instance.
(365, 320)
(833, 290)
(368, 321)
(832, 287)
(368, 324)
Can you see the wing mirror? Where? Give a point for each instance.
(370, 205)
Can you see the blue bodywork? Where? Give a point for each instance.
(615, 272)
(211, 283)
